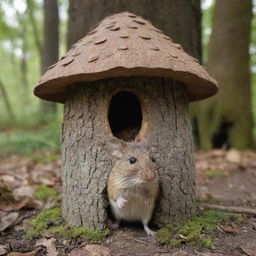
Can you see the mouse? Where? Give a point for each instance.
(132, 184)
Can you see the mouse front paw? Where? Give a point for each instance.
(121, 202)
(148, 201)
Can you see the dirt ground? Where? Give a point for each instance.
(223, 177)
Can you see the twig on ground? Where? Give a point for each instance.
(234, 209)
(219, 252)
(143, 242)
(137, 240)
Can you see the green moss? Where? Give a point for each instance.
(238, 218)
(50, 221)
(61, 229)
(207, 243)
(43, 193)
(214, 173)
(43, 221)
(191, 232)
(211, 218)
(87, 233)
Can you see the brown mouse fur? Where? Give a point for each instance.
(132, 183)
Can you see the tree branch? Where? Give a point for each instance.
(6, 100)
(234, 209)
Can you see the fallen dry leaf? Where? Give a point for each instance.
(33, 253)
(14, 206)
(227, 229)
(79, 252)
(8, 181)
(180, 253)
(233, 156)
(4, 249)
(8, 220)
(24, 191)
(248, 251)
(26, 202)
(96, 250)
(49, 244)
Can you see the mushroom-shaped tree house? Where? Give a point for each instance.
(128, 80)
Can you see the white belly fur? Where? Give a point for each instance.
(134, 210)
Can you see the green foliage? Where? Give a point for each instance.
(28, 141)
(206, 27)
(17, 30)
(196, 231)
(43, 193)
(7, 31)
(50, 221)
(214, 173)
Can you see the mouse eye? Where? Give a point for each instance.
(133, 160)
(153, 159)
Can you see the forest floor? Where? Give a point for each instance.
(225, 178)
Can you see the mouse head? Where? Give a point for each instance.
(134, 161)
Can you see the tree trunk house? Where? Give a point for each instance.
(125, 79)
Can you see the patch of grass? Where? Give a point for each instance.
(197, 231)
(26, 141)
(50, 221)
(214, 173)
(45, 158)
(43, 193)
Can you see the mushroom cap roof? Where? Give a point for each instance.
(121, 45)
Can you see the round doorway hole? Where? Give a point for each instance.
(125, 116)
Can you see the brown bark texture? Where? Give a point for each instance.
(50, 51)
(226, 119)
(181, 20)
(87, 160)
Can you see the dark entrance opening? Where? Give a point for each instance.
(125, 115)
(220, 138)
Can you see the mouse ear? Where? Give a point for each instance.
(142, 142)
(116, 147)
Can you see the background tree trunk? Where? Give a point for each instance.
(226, 119)
(181, 20)
(34, 24)
(6, 101)
(50, 51)
(23, 62)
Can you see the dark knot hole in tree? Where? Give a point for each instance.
(125, 115)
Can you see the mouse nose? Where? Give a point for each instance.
(151, 176)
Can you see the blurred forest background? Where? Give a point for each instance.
(33, 35)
